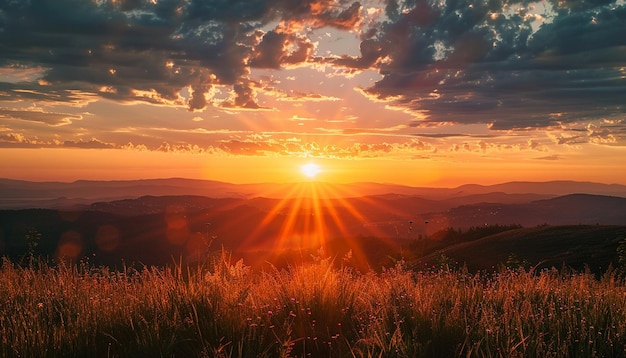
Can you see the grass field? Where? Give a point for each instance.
(320, 309)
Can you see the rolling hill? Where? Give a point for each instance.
(152, 229)
(575, 246)
(151, 221)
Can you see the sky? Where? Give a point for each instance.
(421, 93)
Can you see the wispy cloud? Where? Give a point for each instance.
(39, 115)
(550, 157)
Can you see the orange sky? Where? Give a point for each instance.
(98, 164)
(420, 94)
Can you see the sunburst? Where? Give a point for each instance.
(311, 215)
(311, 170)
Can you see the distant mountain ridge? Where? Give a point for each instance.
(556, 187)
(86, 189)
(24, 194)
(152, 229)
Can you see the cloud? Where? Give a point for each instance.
(376, 131)
(16, 74)
(297, 118)
(267, 146)
(277, 49)
(39, 115)
(243, 97)
(497, 62)
(40, 91)
(453, 135)
(132, 146)
(509, 65)
(181, 148)
(11, 139)
(88, 144)
(296, 96)
(550, 157)
(254, 148)
(606, 132)
(148, 51)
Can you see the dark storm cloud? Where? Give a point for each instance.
(140, 50)
(272, 51)
(474, 62)
(454, 61)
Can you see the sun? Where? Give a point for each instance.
(311, 170)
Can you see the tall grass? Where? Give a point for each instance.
(317, 309)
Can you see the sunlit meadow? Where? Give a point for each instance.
(324, 308)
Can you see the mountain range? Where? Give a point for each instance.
(151, 221)
(24, 194)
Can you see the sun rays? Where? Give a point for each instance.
(315, 216)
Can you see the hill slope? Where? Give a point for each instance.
(564, 210)
(575, 246)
